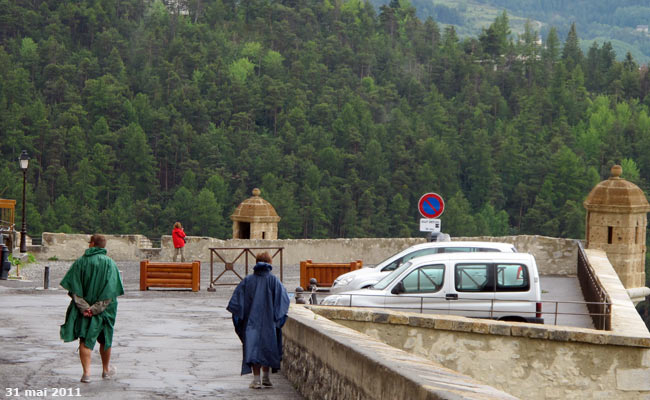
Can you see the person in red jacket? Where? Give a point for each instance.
(178, 237)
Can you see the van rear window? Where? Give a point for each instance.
(512, 278)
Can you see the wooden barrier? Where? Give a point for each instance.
(325, 273)
(170, 275)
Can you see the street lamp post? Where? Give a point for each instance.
(24, 163)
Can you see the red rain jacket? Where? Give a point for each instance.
(177, 237)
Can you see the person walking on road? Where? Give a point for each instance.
(94, 283)
(259, 307)
(178, 237)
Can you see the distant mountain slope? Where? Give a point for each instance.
(600, 20)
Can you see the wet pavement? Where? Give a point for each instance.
(168, 344)
(563, 302)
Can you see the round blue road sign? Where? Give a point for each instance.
(431, 205)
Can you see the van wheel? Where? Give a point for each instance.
(512, 319)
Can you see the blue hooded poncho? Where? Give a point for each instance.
(259, 307)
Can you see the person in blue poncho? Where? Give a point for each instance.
(259, 307)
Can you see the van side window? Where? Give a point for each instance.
(512, 278)
(474, 278)
(392, 266)
(428, 278)
(457, 249)
(420, 253)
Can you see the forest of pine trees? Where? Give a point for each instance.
(137, 114)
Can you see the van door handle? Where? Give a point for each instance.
(451, 296)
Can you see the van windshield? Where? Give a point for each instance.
(390, 277)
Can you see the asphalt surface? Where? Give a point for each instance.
(168, 344)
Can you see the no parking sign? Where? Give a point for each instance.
(431, 205)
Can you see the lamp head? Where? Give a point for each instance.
(24, 160)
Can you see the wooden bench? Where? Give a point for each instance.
(325, 273)
(170, 275)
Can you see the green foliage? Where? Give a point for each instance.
(19, 262)
(342, 114)
(240, 69)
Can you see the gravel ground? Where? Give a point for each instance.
(33, 275)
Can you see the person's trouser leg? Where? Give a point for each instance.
(266, 379)
(106, 357)
(257, 382)
(85, 356)
(182, 249)
(175, 253)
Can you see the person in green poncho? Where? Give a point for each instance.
(94, 283)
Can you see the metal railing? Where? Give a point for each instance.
(598, 301)
(498, 308)
(219, 252)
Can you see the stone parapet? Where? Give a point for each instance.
(554, 256)
(325, 360)
(625, 318)
(624, 337)
(526, 360)
(67, 247)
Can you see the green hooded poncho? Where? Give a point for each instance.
(94, 277)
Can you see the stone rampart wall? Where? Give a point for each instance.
(325, 360)
(554, 256)
(526, 360)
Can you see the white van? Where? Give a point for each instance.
(502, 286)
(368, 276)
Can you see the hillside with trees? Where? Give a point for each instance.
(137, 114)
(598, 20)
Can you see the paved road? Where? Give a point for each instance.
(167, 345)
(565, 293)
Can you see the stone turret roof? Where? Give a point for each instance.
(616, 195)
(255, 209)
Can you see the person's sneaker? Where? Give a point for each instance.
(255, 384)
(85, 379)
(110, 374)
(266, 382)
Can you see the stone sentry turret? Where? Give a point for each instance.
(616, 223)
(255, 218)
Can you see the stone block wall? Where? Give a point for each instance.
(622, 236)
(554, 256)
(325, 360)
(528, 361)
(128, 248)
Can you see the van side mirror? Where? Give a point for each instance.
(399, 288)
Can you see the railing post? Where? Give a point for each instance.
(211, 288)
(557, 304)
(46, 278)
(491, 308)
